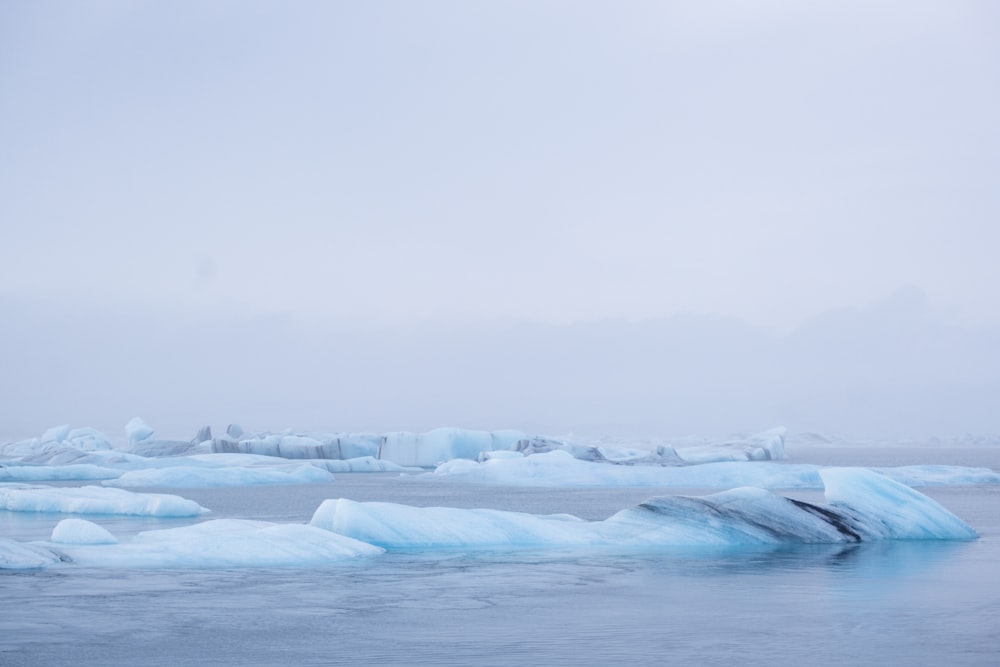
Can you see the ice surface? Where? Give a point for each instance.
(81, 531)
(428, 449)
(888, 511)
(559, 468)
(765, 446)
(220, 543)
(198, 476)
(136, 431)
(17, 555)
(866, 506)
(297, 446)
(44, 473)
(95, 500)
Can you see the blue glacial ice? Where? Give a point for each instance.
(560, 469)
(95, 500)
(863, 506)
(16, 555)
(200, 476)
(81, 531)
(210, 544)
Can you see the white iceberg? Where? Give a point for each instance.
(81, 531)
(865, 506)
(425, 450)
(213, 544)
(560, 469)
(19, 556)
(44, 473)
(95, 500)
(198, 476)
(136, 431)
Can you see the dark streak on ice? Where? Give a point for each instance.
(831, 517)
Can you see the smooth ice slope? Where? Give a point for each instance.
(81, 531)
(867, 507)
(222, 543)
(95, 500)
(888, 511)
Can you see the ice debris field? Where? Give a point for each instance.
(862, 504)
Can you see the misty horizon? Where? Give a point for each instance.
(896, 368)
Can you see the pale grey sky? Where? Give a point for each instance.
(467, 162)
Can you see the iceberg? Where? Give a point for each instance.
(863, 506)
(211, 544)
(294, 446)
(18, 556)
(44, 473)
(137, 431)
(426, 450)
(81, 531)
(198, 476)
(95, 500)
(560, 469)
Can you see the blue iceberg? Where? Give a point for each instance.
(862, 506)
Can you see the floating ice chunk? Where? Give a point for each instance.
(866, 507)
(81, 531)
(224, 543)
(95, 500)
(425, 450)
(40, 473)
(559, 468)
(940, 475)
(20, 556)
(390, 524)
(363, 464)
(56, 433)
(137, 431)
(191, 476)
(765, 446)
(885, 509)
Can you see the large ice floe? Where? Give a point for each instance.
(211, 544)
(560, 469)
(862, 506)
(95, 500)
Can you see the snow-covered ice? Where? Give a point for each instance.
(864, 506)
(95, 500)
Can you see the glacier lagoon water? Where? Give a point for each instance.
(904, 602)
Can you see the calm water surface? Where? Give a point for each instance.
(918, 603)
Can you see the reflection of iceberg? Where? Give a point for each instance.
(95, 500)
(864, 506)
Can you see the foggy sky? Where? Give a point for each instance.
(631, 217)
